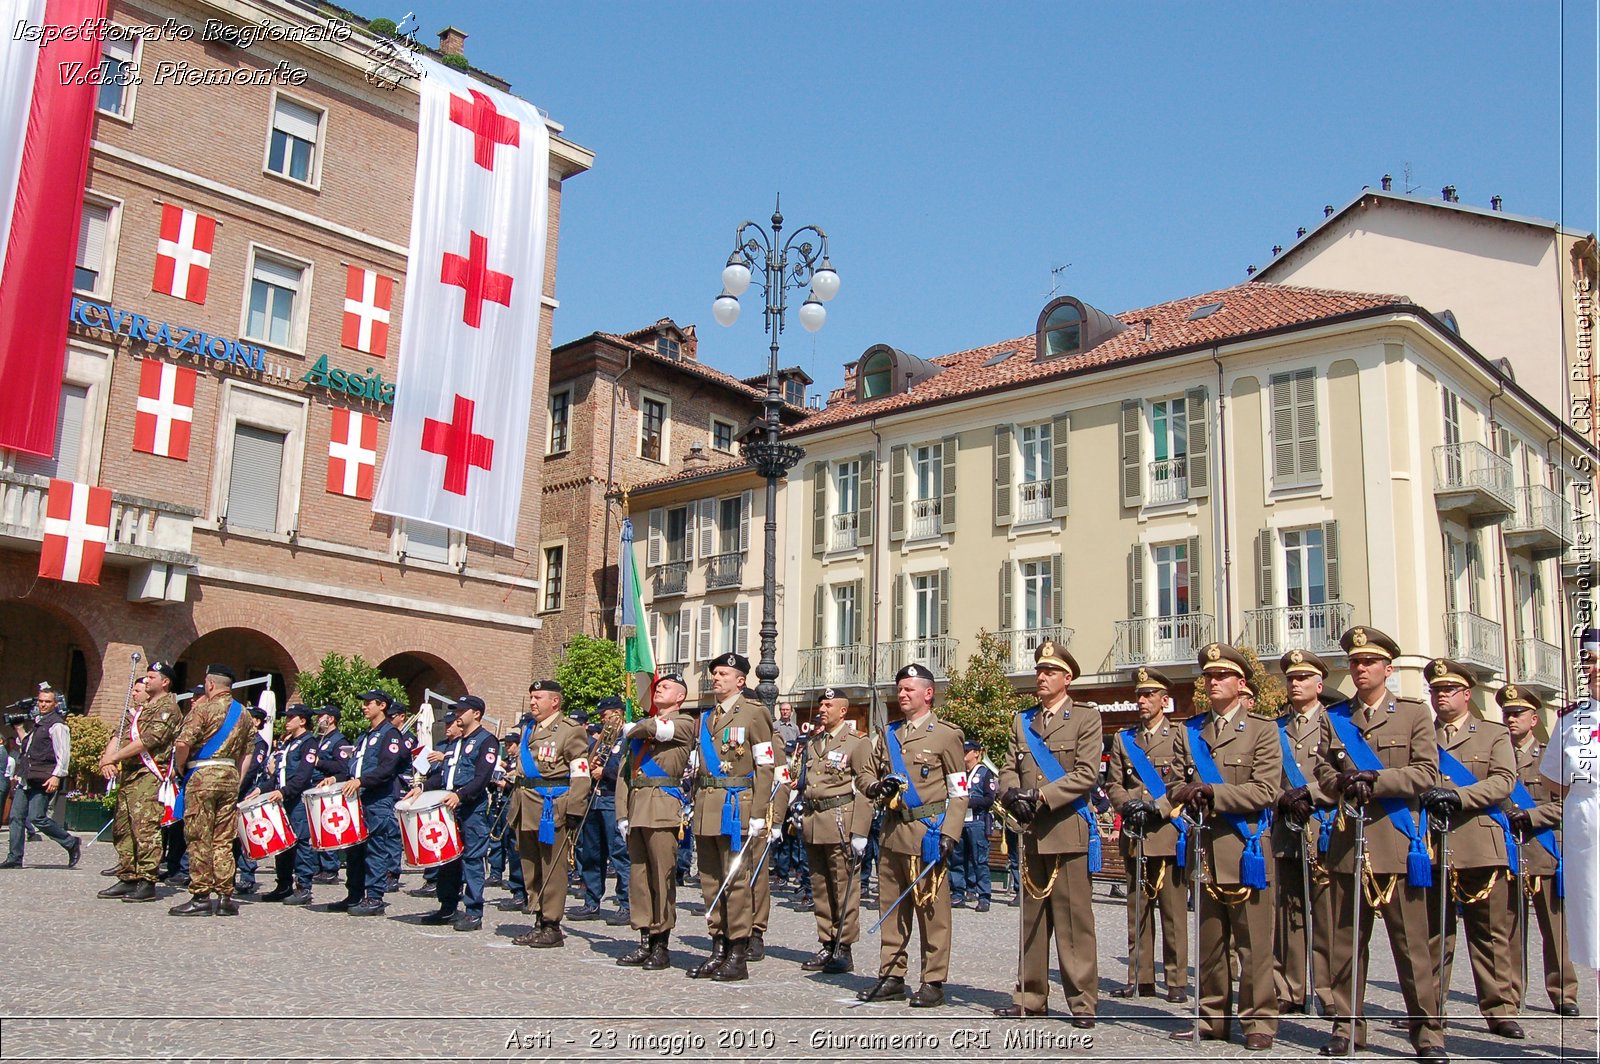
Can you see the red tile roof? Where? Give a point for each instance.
(1247, 309)
(693, 367)
(692, 473)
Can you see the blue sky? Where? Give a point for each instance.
(957, 154)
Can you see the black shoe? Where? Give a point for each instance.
(1177, 995)
(74, 851)
(1083, 1023)
(120, 889)
(439, 918)
(887, 988)
(369, 907)
(8, 863)
(841, 962)
(277, 894)
(325, 877)
(1015, 901)
(299, 897)
(620, 918)
(468, 923)
(1569, 1009)
(1017, 1012)
(392, 886)
(928, 996)
(197, 905)
(719, 953)
(733, 969)
(757, 946)
(818, 960)
(636, 958)
(143, 890)
(516, 901)
(343, 905)
(245, 888)
(494, 881)
(224, 905)
(982, 906)
(1508, 1029)
(660, 957)
(177, 879)
(587, 912)
(1336, 1047)
(1433, 1053)
(1142, 990)
(805, 905)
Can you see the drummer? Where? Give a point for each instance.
(464, 775)
(294, 766)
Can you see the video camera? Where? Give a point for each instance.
(19, 712)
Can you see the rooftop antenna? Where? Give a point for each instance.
(1055, 278)
(1405, 173)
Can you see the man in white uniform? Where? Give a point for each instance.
(1570, 762)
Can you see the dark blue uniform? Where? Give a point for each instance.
(246, 881)
(600, 842)
(969, 871)
(331, 749)
(504, 855)
(294, 767)
(377, 761)
(468, 770)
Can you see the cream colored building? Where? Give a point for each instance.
(1262, 464)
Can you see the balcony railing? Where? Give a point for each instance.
(844, 666)
(1538, 664)
(937, 652)
(1034, 501)
(1161, 640)
(1474, 640)
(1314, 628)
(725, 570)
(925, 517)
(1020, 643)
(1472, 479)
(842, 531)
(1542, 523)
(670, 579)
(1169, 481)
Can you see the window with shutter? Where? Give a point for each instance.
(679, 546)
(423, 540)
(1136, 581)
(1007, 610)
(947, 513)
(1266, 543)
(1295, 461)
(859, 611)
(1002, 475)
(819, 507)
(1132, 468)
(1199, 457)
(685, 634)
(741, 637)
(819, 616)
(275, 286)
(1058, 588)
(747, 502)
(897, 493)
(656, 547)
(866, 497)
(70, 415)
(93, 233)
(898, 583)
(705, 634)
(1060, 428)
(1330, 555)
(292, 146)
(256, 477)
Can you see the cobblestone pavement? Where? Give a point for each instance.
(102, 980)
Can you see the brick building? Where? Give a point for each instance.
(249, 241)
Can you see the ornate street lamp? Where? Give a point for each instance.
(776, 267)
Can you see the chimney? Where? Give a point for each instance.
(691, 343)
(1495, 203)
(1277, 249)
(1388, 182)
(452, 42)
(1300, 233)
(1449, 194)
(697, 456)
(1250, 270)
(1327, 210)
(1147, 328)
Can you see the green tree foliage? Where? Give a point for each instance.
(338, 681)
(588, 670)
(381, 27)
(1269, 704)
(457, 61)
(89, 738)
(981, 699)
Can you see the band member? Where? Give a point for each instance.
(373, 771)
(254, 766)
(294, 767)
(1051, 770)
(332, 748)
(1234, 766)
(550, 781)
(1535, 815)
(732, 798)
(921, 781)
(1140, 770)
(464, 776)
(141, 764)
(834, 770)
(1300, 837)
(653, 811)
(1381, 756)
(972, 863)
(1478, 772)
(215, 741)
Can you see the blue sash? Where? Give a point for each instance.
(647, 765)
(1546, 838)
(1297, 779)
(1053, 771)
(711, 764)
(1419, 869)
(1462, 776)
(530, 770)
(1146, 771)
(208, 750)
(934, 824)
(1252, 863)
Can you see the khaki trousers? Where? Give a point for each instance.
(1243, 930)
(895, 874)
(1405, 917)
(1490, 924)
(733, 917)
(652, 885)
(1067, 913)
(1289, 933)
(836, 890)
(1171, 905)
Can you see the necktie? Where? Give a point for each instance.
(1449, 733)
(1304, 720)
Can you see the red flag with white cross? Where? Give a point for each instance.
(352, 453)
(368, 298)
(164, 413)
(183, 253)
(77, 526)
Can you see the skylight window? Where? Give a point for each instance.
(1204, 312)
(995, 360)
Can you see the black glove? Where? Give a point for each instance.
(1441, 801)
(574, 821)
(891, 786)
(1192, 794)
(947, 847)
(1521, 821)
(1291, 799)
(1359, 793)
(878, 789)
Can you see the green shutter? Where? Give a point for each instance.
(865, 500)
(1330, 556)
(820, 616)
(1195, 582)
(1283, 463)
(899, 628)
(860, 612)
(1198, 409)
(944, 603)
(1264, 548)
(947, 478)
(1002, 475)
(897, 494)
(819, 507)
(1132, 469)
(1136, 581)
(1006, 616)
(1058, 590)
(1060, 430)
(1307, 467)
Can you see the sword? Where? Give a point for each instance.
(727, 881)
(1355, 921)
(1522, 917)
(1305, 900)
(903, 896)
(1197, 887)
(1442, 826)
(1136, 946)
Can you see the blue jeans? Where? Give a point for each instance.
(369, 865)
(461, 881)
(1013, 844)
(598, 844)
(33, 804)
(969, 872)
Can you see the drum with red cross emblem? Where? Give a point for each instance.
(428, 830)
(336, 821)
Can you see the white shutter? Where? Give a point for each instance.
(255, 478)
(655, 637)
(747, 503)
(707, 527)
(69, 439)
(705, 634)
(685, 633)
(657, 539)
(92, 238)
(281, 274)
(289, 117)
(741, 630)
(423, 540)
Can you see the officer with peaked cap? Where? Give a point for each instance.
(1382, 746)
(550, 784)
(1137, 777)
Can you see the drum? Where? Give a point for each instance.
(336, 822)
(428, 830)
(264, 830)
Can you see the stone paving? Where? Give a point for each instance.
(102, 980)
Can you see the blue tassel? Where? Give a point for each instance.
(730, 818)
(1094, 853)
(1325, 835)
(1561, 879)
(1183, 844)
(930, 843)
(1253, 867)
(1419, 870)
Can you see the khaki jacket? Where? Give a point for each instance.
(1476, 841)
(1308, 743)
(1401, 735)
(1250, 761)
(650, 806)
(1123, 783)
(836, 766)
(932, 754)
(1546, 813)
(559, 747)
(738, 732)
(1073, 737)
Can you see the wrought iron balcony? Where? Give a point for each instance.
(843, 529)
(1542, 523)
(1169, 481)
(1314, 628)
(925, 517)
(1474, 640)
(1020, 643)
(670, 579)
(1161, 640)
(1538, 665)
(1470, 479)
(937, 652)
(725, 570)
(1034, 501)
(844, 666)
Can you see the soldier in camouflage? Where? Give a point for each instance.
(140, 759)
(221, 738)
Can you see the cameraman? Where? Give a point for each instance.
(42, 766)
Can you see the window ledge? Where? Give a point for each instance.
(115, 116)
(277, 349)
(563, 453)
(1161, 509)
(309, 186)
(1028, 528)
(1298, 491)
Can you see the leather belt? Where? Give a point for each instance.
(723, 782)
(920, 811)
(215, 761)
(654, 781)
(544, 781)
(822, 805)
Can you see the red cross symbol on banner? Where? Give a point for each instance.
(473, 276)
(461, 447)
(489, 127)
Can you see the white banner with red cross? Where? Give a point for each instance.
(474, 281)
(77, 526)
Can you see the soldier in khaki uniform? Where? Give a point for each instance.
(652, 808)
(921, 781)
(1480, 850)
(1234, 766)
(1059, 836)
(1399, 733)
(760, 862)
(1303, 736)
(549, 780)
(1539, 878)
(139, 760)
(1165, 882)
(732, 793)
(834, 770)
(220, 739)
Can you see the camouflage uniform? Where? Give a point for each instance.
(211, 796)
(137, 816)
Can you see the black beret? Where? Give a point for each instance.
(223, 671)
(736, 662)
(675, 677)
(545, 685)
(914, 672)
(165, 669)
(830, 692)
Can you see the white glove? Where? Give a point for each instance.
(756, 827)
(633, 726)
(858, 845)
(622, 826)
(777, 829)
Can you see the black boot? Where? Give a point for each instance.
(719, 953)
(660, 958)
(819, 960)
(197, 905)
(637, 957)
(143, 890)
(758, 946)
(120, 889)
(733, 969)
(281, 892)
(840, 962)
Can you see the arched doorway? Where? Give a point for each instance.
(419, 672)
(249, 653)
(39, 643)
